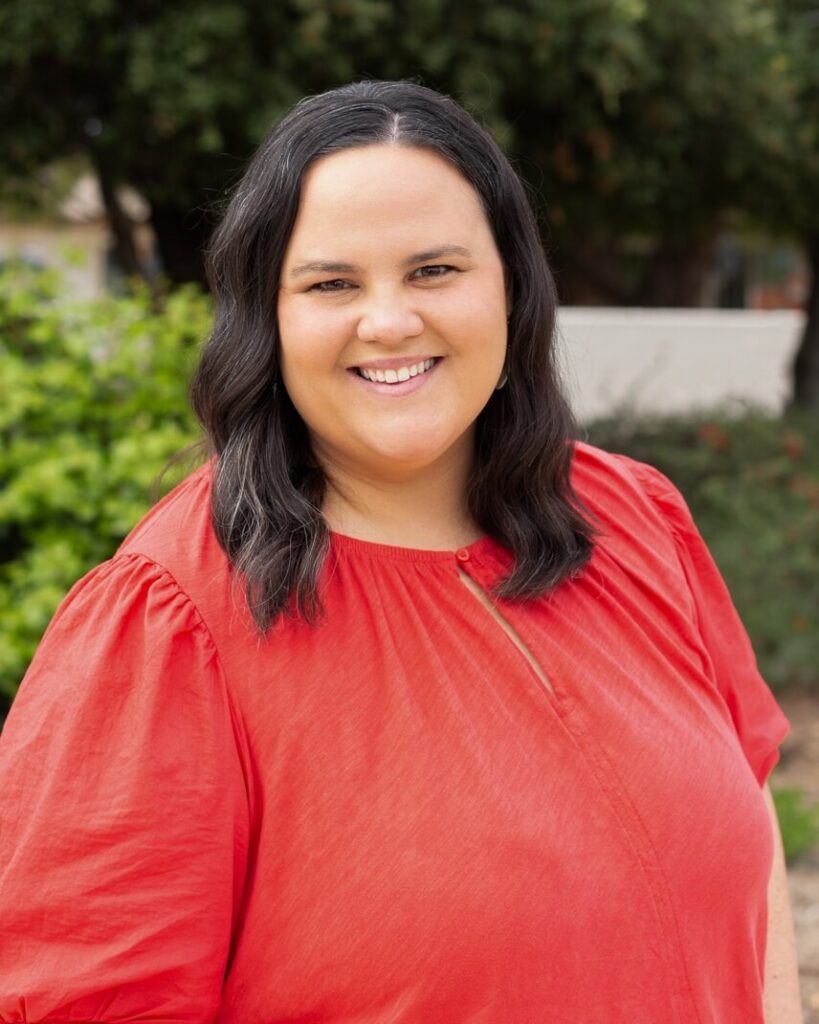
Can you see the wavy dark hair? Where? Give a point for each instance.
(268, 489)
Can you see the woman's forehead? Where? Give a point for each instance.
(401, 195)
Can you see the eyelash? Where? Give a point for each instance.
(436, 266)
(327, 286)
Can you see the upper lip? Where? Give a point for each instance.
(393, 363)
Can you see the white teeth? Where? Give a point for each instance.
(396, 376)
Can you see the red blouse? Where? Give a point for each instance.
(390, 817)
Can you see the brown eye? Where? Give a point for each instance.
(436, 270)
(336, 285)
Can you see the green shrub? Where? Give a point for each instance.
(92, 405)
(799, 822)
(752, 483)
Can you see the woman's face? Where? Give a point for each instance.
(391, 311)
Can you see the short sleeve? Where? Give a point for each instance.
(123, 811)
(760, 724)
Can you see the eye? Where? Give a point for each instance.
(336, 285)
(435, 270)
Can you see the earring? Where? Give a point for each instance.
(504, 378)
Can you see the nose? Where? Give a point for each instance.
(390, 320)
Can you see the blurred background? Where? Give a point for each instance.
(672, 152)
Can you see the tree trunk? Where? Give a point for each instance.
(121, 225)
(675, 276)
(806, 364)
(181, 235)
(590, 274)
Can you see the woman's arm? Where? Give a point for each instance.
(125, 816)
(782, 1000)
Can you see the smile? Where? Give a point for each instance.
(397, 375)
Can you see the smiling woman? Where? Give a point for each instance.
(394, 309)
(405, 707)
(379, 227)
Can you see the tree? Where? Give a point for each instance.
(782, 192)
(161, 96)
(630, 119)
(647, 132)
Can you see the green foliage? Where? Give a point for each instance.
(642, 127)
(752, 483)
(629, 115)
(92, 406)
(782, 188)
(799, 822)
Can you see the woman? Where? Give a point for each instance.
(403, 708)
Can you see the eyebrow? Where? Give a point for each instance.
(337, 267)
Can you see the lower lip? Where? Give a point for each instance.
(403, 387)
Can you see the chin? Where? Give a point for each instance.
(400, 457)
(408, 454)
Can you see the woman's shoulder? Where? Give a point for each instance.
(592, 465)
(625, 492)
(177, 533)
(150, 581)
(149, 602)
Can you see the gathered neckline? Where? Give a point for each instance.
(343, 541)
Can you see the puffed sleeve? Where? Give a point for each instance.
(123, 811)
(760, 724)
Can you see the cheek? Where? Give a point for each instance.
(481, 309)
(482, 333)
(308, 341)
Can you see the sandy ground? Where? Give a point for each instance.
(799, 768)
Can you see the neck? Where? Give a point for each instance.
(425, 509)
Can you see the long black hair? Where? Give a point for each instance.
(268, 489)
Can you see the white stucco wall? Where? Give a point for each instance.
(670, 360)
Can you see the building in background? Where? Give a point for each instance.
(75, 238)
